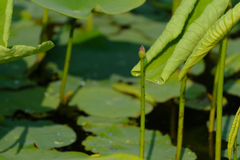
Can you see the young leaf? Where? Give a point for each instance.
(81, 9)
(171, 32)
(154, 65)
(233, 132)
(215, 34)
(20, 51)
(194, 34)
(6, 9)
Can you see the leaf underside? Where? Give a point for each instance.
(20, 51)
(81, 9)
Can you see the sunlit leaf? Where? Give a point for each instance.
(193, 35)
(155, 64)
(82, 9)
(6, 9)
(216, 33)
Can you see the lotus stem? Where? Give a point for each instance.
(67, 62)
(142, 55)
(181, 117)
(223, 48)
(90, 23)
(213, 110)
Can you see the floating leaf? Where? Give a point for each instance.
(39, 154)
(98, 125)
(129, 89)
(216, 33)
(233, 133)
(23, 134)
(40, 101)
(126, 140)
(81, 9)
(105, 102)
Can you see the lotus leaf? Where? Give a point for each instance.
(23, 134)
(98, 125)
(81, 9)
(126, 140)
(107, 103)
(39, 154)
(161, 52)
(32, 100)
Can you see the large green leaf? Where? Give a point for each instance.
(39, 154)
(32, 100)
(82, 9)
(193, 35)
(126, 140)
(155, 63)
(98, 125)
(105, 102)
(6, 9)
(20, 51)
(216, 33)
(23, 134)
(232, 87)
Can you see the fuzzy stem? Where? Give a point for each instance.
(142, 124)
(223, 48)
(67, 62)
(235, 149)
(181, 117)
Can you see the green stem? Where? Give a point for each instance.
(235, 149)
(223, 48)
(142, 124)
(181, 118)
(214, 98)
(175, 5)
(213, 109)
(67, 62)
(90, 23)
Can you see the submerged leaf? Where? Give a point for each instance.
(6, 9)
(20, 51)
(194, 34)
(215, 34)
(81, 9)
(172, 31)
(233, 132)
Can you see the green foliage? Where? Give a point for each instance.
(107, 103)
(216, 33)
(23, 134)
(6, 9)
(81, 9)
(126, 140)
